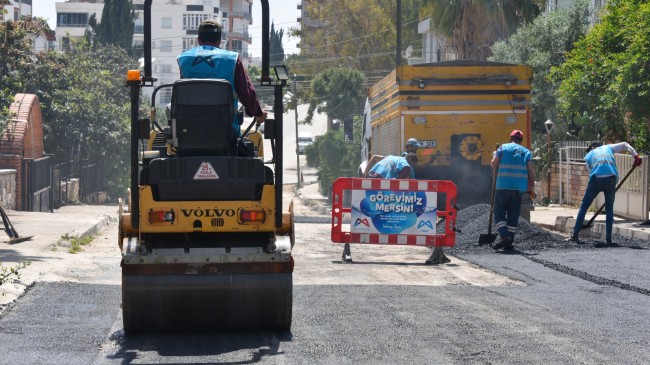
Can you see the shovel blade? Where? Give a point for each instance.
(487, 239)
(19, 239)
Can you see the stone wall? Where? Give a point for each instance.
(8, 188)
(72, 189)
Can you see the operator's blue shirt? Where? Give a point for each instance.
(513, 167)
(207, 62)
(390, 167)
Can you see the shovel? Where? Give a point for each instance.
(489, 238)
(584, 226)
(11, 231)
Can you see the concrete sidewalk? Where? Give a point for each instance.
(553, 217)
(47, 228)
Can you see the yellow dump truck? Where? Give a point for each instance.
(458, 111)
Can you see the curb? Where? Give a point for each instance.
(597, 229)
(318, 204)
(94, 229)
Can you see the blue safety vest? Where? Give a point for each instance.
(207, 62)
(390, 167)
(601, 162)
(513, 170)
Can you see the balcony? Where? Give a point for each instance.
(241, 14)
(245, 36)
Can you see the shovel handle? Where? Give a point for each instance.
(494, 184)
(603, 206)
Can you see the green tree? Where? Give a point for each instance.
(82, 96)
(334, 157)
(116, 26)
(86, 105)
(15, 59)
(472, 26)
(543, 44)
(339, 92)
(606, 78)
(275, 46)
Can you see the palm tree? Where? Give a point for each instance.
(472, 26)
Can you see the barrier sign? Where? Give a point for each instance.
(390, 211)
(394, 212)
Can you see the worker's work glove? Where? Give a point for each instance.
(637, 161)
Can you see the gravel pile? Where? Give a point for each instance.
(473, 221)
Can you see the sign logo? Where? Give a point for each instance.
(425, 223)
(206, 172)
(201, 59)
(363, 221)
(208, 212)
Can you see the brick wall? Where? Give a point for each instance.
(22, 138)
(574, 190)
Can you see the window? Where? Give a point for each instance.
(166, 22)
(65, 43)
(235, 46)
(165, 46)
(166, 68)
(137, 44)
(72, 19)
(194, 7)
(165, 95)
(189, 42)
(224, 14)
(138, 26)
(192, 21)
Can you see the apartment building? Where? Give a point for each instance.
(15, 9)
(174, 25)
(306, 23)
(21, 10)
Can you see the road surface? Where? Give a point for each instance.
(385, 308)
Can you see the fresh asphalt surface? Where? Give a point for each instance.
(559, 305)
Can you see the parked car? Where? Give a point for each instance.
(304, 139)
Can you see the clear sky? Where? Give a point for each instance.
(284, 14)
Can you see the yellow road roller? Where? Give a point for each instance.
(205, 242)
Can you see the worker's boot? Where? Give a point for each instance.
(573, 239)
(505, 244)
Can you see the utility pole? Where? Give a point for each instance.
(295, 100)
(398, 29)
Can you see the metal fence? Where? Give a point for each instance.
(37, 184)
(632, 198)
(70, 173)
(569, 152)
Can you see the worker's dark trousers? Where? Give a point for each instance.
(507, 206)
(597, 184)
